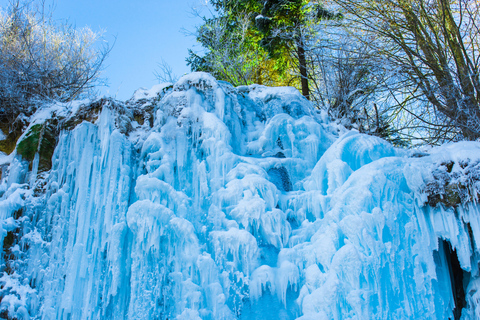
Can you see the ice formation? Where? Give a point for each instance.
(199, 200)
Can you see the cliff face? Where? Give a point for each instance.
(203, 201)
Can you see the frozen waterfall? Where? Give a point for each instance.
(199, 200)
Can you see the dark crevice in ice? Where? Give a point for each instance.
(457, 276)
(279, 177)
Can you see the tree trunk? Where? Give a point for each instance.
(302, 62)
(469, 122)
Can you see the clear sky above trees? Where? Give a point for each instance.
(146, 32)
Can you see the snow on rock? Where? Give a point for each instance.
(199, 200)
(152, 93)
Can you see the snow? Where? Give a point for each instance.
(238, 203)
(153, 92)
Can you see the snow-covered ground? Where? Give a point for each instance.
(199, 200)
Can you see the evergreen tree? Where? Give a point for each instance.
(284, 27)
(257, 41)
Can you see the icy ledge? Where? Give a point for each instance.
(199, 200)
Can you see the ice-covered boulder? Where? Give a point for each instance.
(199, 200)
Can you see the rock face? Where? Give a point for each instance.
(203, 201)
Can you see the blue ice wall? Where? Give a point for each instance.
(199, 200)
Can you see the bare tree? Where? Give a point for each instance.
(165, 73)
(40, 59)
(348, 79)
(434, 48)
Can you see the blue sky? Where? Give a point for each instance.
(146, 32)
